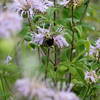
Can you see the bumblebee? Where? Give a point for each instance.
(48, 41)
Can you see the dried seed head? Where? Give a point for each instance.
(70, 3)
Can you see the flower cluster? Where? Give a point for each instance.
(44, 37)
(8, 59)
(10, 23)
(23, 7)
(91, 76)
(29, 7)
(60, 41)
(94, 50)
(33, 89)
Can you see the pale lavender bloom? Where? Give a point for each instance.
(8, 59)
(91, 76)
(60, 41)
(64, 2)
(32, 88)
(39, 38)
(24, 7)
(31, 6)
(98, 44)
(48, 3)
(92, 50)
(23, 86)
(65, 96)
(43, 31)
(10, 24)
(41, 5)
(43, 93)
(35, 89)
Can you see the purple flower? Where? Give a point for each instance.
(39, 38)
(91, 76)
(8, 59)
(23, 7)
(29, 7)
(10, 24)
(60, 41)
(23, 86)
(98, 44)
(44, 36)
(92, 50)
(64, 2)
(63, 95)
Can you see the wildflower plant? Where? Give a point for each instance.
(45, 46)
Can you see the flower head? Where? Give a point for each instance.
(34, 89)
(65, 96)
(60, 41)
(10, 23)
(92, 50)
(39, 38)
(91, 76)
(45, 38)
(23, 86)
(98, 44)
(24, 7)
(41, 5)
(8, 59)
(30, 7)
(64, 2)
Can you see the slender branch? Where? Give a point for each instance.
(30, 24)
(46, 55)
(73, 35)
(55, 54)
(55, 68)
(85, 10)
(88, 89)
(46, 70)
(54, 13)
(98, 56)
(29, 21)
(3, 87)
(72, 43)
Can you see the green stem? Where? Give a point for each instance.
(46, 55)
(85, 10)
(55, 68)
(73, 35)
(72, 43)
(46, 70)
(3, 88)
(88, 89)
(30, 24)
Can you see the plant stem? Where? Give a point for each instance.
(73, 35)
(3, 87)
(46, 70)
(72, 43)
(55, 68)
(54, 13)
(85, 10)
(30, 24)
(88, 89)
(46, 55)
